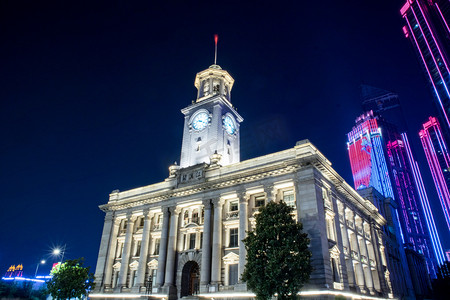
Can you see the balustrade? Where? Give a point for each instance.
(232, 215)
(355, 255)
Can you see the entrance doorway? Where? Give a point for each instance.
(190, 279)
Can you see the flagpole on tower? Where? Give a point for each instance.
(216, 38)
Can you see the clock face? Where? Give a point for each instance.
(200, 121)
(229, 125)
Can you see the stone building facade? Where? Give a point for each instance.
(182, 237)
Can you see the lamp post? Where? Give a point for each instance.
(59, 251)
(37, 267)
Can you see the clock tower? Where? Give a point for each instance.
(211, 123)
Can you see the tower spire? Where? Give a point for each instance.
(216, 39)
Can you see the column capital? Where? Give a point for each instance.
(268, 188)
(206, 203)
(174, 210)
(109, 216)
(117, 221)
(218, 202)
(165, 210)
(243, 197)
(146, 212)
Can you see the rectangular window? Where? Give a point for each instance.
(260, 201)
(232, 274)
(288, 198)
(141, 222)
(201, 240)
(192, 238)
(153, 278)
(138, 248)
(120, 249)
(234, 237)
(234, 206)
(156, 251)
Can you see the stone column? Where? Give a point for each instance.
(367, 271)
(217, 243)
(107, 247)
(348, 258)
(140, 280)
(171, 247)
(378, 258)
(126, 252)
(205, 272)
(163, 248)
(268, 189)
(359, 273)
(243, 226)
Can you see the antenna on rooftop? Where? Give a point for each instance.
(216, 38)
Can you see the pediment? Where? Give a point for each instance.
(231, 258)
(153, 264)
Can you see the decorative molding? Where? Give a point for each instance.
(231, 258)
(134, 265)
(116, 266)
(153, 264)
(334, 252)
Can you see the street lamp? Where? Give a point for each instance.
(59, 251)
(37, 267)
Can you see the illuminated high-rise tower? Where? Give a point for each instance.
(380, 157)
(428, 27)
(438, 159)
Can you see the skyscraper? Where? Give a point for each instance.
(380, 157)
(428, 27)
(439, 161)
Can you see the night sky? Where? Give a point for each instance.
(91, 94)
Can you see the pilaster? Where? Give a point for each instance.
(144, 252)
(216, 261)
(105, 251)
(126, 252)
(205, 272)
(163, 249)
(243, 226)
(171, 247)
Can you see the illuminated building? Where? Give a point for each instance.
(439, 162)
(183, 236)
(428, 27)
(380, 157)
(14, 271)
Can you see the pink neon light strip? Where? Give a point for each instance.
(443, 19)
(428, 71)
(435, 42)
(429, 47)
(437, 246)
(436, 173)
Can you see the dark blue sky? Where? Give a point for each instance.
(91, 96)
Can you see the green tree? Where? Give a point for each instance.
(70, 280)
(278, 258)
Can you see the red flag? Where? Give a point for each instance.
(216, 38)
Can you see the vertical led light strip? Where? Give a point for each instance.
(426, 66)
(442, 16)
(433, 162)
(435, 43)
(436, 242)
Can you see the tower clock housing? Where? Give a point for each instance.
(211, 123)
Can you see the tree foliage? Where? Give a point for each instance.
(278, 258)
(21, 290)
(71, 280)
